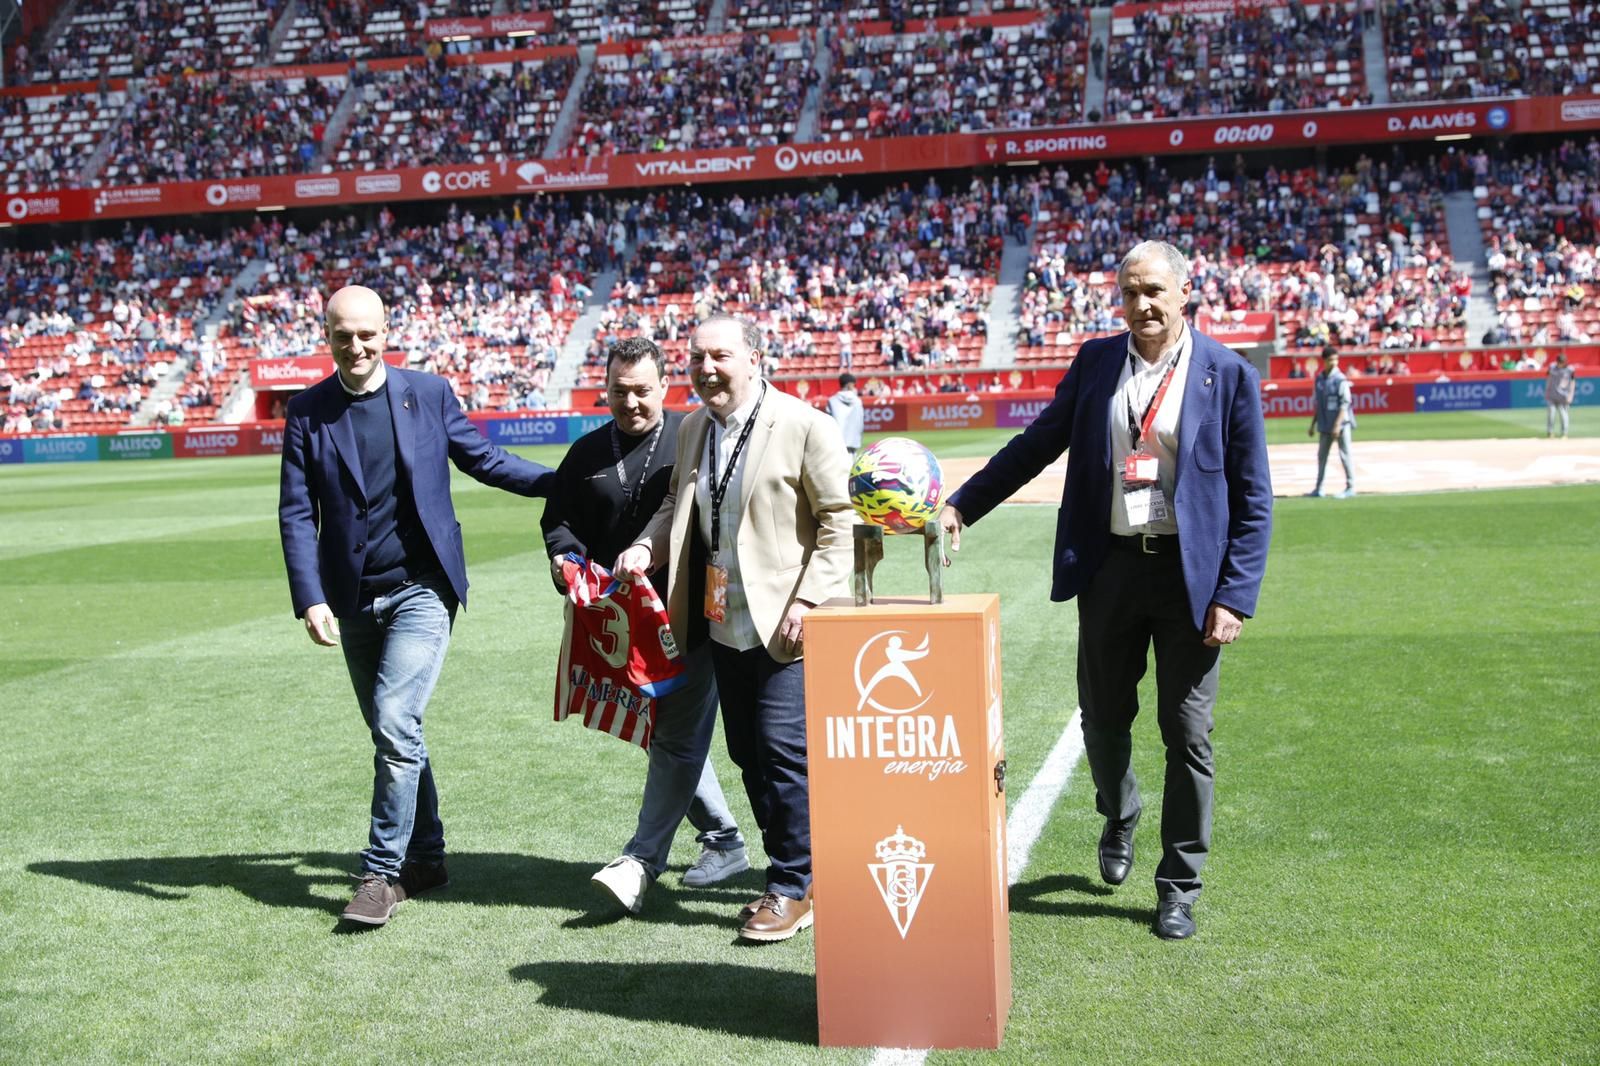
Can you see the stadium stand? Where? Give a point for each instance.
(1454, 50)
(1540, 216)
(1272, 58)
(485, 300)
(899, 280)
(118, 38)
(888, 85)
(739, 94)
(1358, 257)
(202, 127)
(89, 327)
(46, 140)
(425, 114)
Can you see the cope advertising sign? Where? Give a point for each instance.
(1463, 395)
(136, 446)
(538, 429)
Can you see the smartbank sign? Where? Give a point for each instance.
(890, 723)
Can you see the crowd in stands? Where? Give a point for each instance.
(1541, 219)
(834, 280)
(1280, 58)
(952, 81)
(142, 38)
(1442, 49)
(195, 129)
(46, 140)
(486, 300)
(1355, 257)
(87, 328)
(428, 114)
(656, 100)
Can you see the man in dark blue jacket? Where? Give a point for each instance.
(1162, 537)
(373, 548)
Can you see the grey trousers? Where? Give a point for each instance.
(1557, 419)
(1135, 601)
(1324, 443)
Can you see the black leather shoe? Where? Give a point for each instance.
(1116, 850)
(1174, 921)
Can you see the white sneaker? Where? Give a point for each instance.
(715, 866)
(625, 880)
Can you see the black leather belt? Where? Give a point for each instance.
(1147, 543)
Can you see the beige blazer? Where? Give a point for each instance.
(795, 539)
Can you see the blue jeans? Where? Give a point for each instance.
(681, 779)
(394, 648)
(764, 719)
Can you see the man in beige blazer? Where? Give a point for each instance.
(756, 530)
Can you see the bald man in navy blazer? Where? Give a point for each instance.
(1162, 538)
(376, 567)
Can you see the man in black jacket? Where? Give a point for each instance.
(611, 481)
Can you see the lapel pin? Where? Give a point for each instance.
(406, 404)
(1208, 382)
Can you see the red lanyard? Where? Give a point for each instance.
(1140, 431)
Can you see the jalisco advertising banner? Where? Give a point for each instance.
(511, 25)
(11, 451)
(530, 429)
(150, 445)
(942, 152)
(1463, 395)
(60, 449)
(1529, 392)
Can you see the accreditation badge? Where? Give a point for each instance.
(1145, 504)
(1140, 468)
(716, 605)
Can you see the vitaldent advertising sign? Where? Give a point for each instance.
(136, 446)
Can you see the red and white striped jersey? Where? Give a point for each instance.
(617, 653)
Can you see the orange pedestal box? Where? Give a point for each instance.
(908, 823)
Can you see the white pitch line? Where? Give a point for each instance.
(1023, 826)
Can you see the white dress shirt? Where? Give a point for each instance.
(1138, 386)
(737, 630)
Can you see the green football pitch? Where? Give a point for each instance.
(1403, 870)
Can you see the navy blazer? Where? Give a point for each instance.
(1222, 494)
(322, 504)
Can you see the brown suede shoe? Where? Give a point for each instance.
(777, 918)
(374, 901)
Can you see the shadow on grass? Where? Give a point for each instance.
(1031, 897)
(320, 881)
(780, 1005)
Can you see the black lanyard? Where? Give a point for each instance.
(719, 490)
(630, 497)
(1139, 425)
